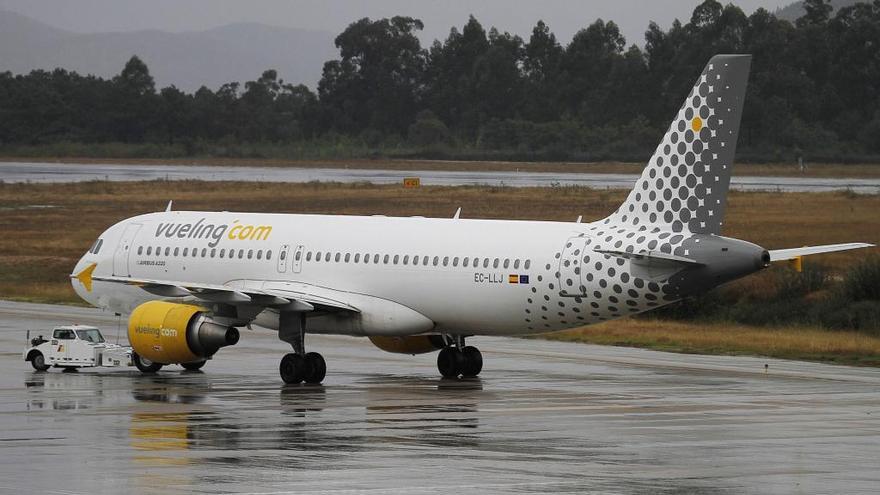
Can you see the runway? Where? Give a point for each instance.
(543, 417)
(17, 172)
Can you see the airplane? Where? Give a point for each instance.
(188, 279)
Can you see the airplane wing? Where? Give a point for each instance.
(788, 254)
(299, 297)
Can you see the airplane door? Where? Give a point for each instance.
(123, 250)
(297, 259)
(282, 258)
(571, 268)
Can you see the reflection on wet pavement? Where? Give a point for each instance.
(544, 417)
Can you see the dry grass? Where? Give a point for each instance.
(856, 170)
(716, 338)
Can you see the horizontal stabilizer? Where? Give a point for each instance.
(787, 254)
(653, 265)
(656, 256)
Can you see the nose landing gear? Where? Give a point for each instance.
(459, 360)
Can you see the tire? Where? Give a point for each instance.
(473, 361)
(316, 368)
(450, 362)
(38, 361)
(195, 366)
(292, 368)
(144, 364)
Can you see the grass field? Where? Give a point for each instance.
(47, 227)
(837, 170)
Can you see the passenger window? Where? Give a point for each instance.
(375, 259)
(140, 250)
(186, 252)
(204, 252)
(149, 250)
(486, 263)
(269, 254)
(366, 258)
(347, 257)
(176, 252)
(406, 260)
(415, 260)
(528, 262)
(445, 260)
(222, 252)
(455, 261)
(213, 252)
(327, 256)
(516, 264)
(426, 260)
(195, 252)
(385, 260)
(495, 263)
(298, 254)
(259, 254)
(464, 262)
(357, 257)
(283, 255)
(309, 256)
(241, 254)
(506, 262)
(396, 258)
(250, 253)
(167, 251)
(436, 260)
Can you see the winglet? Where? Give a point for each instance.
(85, 276)
(168, 208)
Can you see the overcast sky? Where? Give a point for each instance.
(564, 17)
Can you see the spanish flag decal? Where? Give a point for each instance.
(513, 279)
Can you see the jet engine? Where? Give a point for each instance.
(415, 344)
(166, 333)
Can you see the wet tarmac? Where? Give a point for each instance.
(16, 172)
(543, 417)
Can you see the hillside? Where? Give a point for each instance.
(795, 9)
(235, 52)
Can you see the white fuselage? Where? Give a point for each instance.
(424, 264)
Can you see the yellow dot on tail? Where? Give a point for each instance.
(697, 124)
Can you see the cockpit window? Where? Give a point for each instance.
(90, 335)
(96, 246)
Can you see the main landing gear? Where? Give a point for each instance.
(459, 360)
(298, 366)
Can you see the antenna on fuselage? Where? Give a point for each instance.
(168, 208)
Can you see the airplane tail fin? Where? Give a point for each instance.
(684, 185)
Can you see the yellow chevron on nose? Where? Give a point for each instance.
(85, 276)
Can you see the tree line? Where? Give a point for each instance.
(813, 91)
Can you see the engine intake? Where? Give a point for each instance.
(166, 333)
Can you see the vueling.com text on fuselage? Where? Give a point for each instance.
(214, 232)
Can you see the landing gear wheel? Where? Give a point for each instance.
(473, 361)
(39, 362)
(194, 366)
(450, 362)
(144, 364)
(316, 368)
(293, 368)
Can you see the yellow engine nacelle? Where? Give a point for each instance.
(166, 333)
(416, 344)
